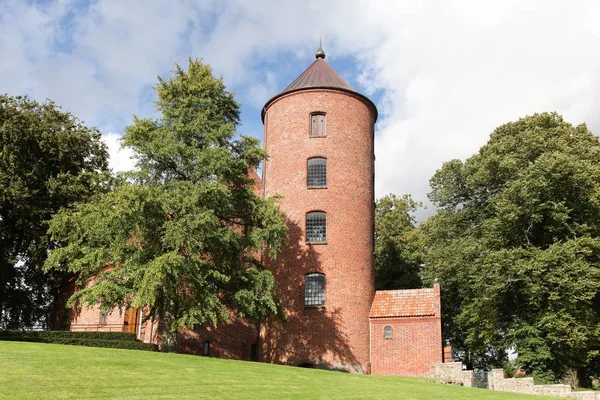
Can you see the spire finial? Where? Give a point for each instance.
(320, 53)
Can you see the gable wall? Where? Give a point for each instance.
(416, 344)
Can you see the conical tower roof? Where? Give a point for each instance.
(319, 75)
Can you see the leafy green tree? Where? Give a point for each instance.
(183, 232)
(48, 160)
(398, 243)
(516, 247)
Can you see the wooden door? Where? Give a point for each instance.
(130, 322)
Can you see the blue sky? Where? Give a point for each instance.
(286, 72)
(443, 74)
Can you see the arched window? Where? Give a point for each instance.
(388, 332)
(317, 172)
(318, 124)
(314, 290)
(316, 227)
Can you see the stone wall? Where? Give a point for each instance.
(452, 372)
(496, 381)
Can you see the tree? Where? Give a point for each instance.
(183, 232)
(516, 247)
(48, 160)
(398, 244)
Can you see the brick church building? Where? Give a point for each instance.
(319, 134)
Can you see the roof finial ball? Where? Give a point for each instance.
(320, 53)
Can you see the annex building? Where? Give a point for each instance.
(319, 134)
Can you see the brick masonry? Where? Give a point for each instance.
(233, 340)
(337, 335)
(340, 334)
(416, 341)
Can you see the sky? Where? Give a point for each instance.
(443, 74)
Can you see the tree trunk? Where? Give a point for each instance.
(168, 337)
(169, 342)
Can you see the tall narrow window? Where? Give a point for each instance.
(314, 290)
(316, 227)
(318, 124)
(206, 348)
(102, 319)
(317, 172)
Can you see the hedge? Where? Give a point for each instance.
(51, 335)
(92, 339)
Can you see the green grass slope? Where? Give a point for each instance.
(52, 371)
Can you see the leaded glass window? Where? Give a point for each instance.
(314, 290)
(317, 172)
(316, 227)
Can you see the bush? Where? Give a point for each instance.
(115, 340)
(509, 369)
(570, 378)
(51, 335)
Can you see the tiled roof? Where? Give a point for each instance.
(405, 303)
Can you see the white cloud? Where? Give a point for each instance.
(120, 158)
(260, 93)
(450, 71)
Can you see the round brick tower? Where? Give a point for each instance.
(319, 137)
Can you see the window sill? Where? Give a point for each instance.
(315, 243)
(317, 136)
(316, 187)
(314, 307)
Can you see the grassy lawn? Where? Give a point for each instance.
(52, 371)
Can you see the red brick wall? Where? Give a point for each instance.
(416, 344)
(88, 318)
(336, 336)
(230, 340)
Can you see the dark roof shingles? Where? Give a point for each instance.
(318, 75)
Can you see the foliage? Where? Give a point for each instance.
(516, 247)
(182, 232)
(51, 335)
(31, 371)
(48, 160)
(398, 243)
(79, 341)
